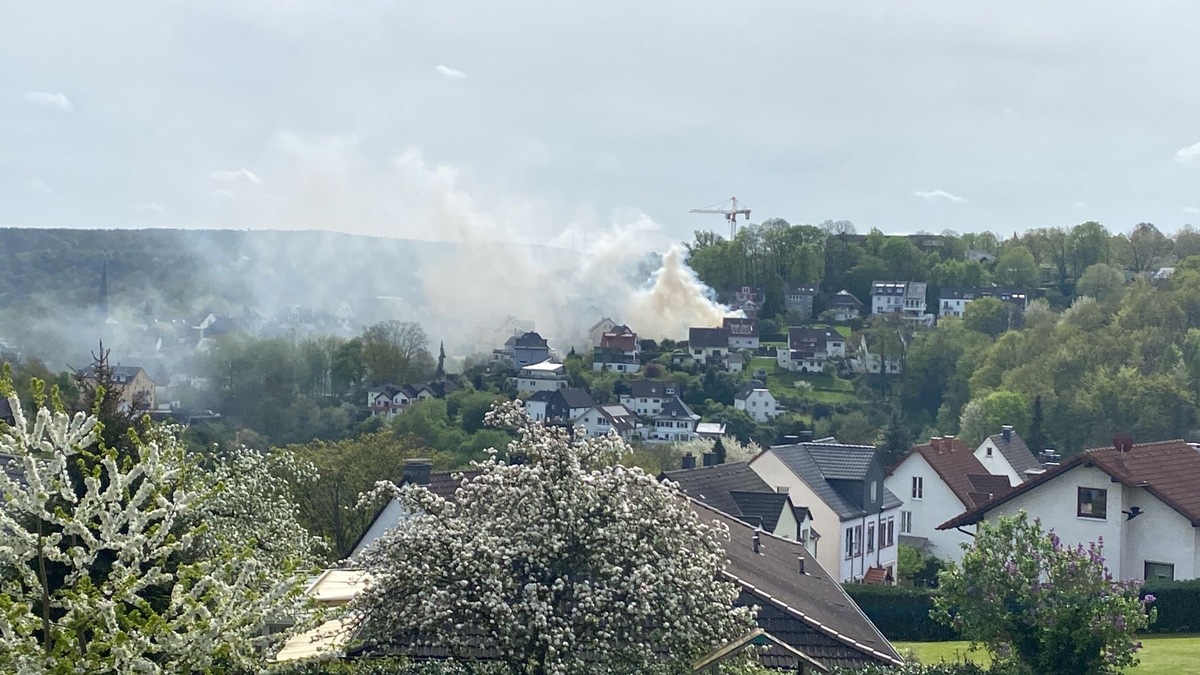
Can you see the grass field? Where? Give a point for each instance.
(1160, 654)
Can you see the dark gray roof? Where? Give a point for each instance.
(845, 298)
(760, 508)
(705, 338)
(576, 398)
(541, 396)
(810, 612)
(529, 340)
(6, 413)
(1016, 452)
(800, 459)
(650, 388)
(713, 485)
(676, 409)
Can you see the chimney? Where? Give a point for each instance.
(791, 440)
(1006, 432)
(935, 442)
(1049, 458)
(710, 459)
(416, 471)
(806, 436)
(756, 543)
(800, 564)
(689, 461)
(1123, 443)
(948, 442)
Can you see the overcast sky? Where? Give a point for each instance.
(525, 120)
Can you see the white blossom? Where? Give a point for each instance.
(149, 563)
(555, 555)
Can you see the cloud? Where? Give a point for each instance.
(50, 99)
(149, 207)
(37, 185)
(1191, 209)
(451, 72)
(235, 176)
(934, 195)
(1188, 155)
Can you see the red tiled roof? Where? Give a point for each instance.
(958, 468)
(1169, 470)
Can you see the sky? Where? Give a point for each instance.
(558, 122)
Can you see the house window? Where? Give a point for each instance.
(1093, 503)
(891, 532)
(906, 522)
(1160, 571)
(850, 542)
(858, 540)
(874, 491)
(918, 487)
(871, 537)
(989, 451)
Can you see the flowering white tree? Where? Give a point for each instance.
(139, 561)
(557, 559)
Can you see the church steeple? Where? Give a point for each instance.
(102, 300)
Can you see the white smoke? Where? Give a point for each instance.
(513, 257)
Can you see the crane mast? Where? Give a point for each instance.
(731, 214)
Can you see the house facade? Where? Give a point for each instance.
(674, 422)
(743, 332)
(758, 402)
(619, 352)
(799, 299)
(647, 397)
(597, 331)
(845, 306)
(137, 389)
(906, 298)
(809, 348)
(735, 489)
(601, 419)
(935, 479)
(953, 302)
(1143, 500)
(529, 348)
(1005, 454)
(709, 345)
(544, 376)
(843, 488)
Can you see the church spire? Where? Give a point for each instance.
(102, 300)
(441, 367)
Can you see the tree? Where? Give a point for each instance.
(896, 441)
(1016, 268)
(156, 565)
(1040, 606)
(984, 417)
(593, 564)
(101, 395)
(1147, 247)
(990, 316)
(1101, 282)
(396, 352)
(1036, 439)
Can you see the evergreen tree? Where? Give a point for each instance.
(719, 450)
(896, 441)
(1037, 437)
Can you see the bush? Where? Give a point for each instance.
(1178, 605)
(901, 613)
(914, 668)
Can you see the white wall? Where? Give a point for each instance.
(997, 465)
(855, 568)
(389, 517)
(776, 474)
(1160, 534)
(938, 505)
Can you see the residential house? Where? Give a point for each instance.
(758, 402)
(845, 306)
(1142, 499)
(709, 345)
(735, 489)
(863, 360)
(390, 399)
(536, 403)
(646, 397)
(415, 472)
(619, 351)
(746, 299)
(529, 348)
(710, 430)
(137, 389)
(674, 422)
(743, 332)
(568, 404)
(843, 488)
(1005, 454)
(601, 419)
(799, 300)
(809, 348)
(596, 332)
(906, 298)
(938, 481)
(546, 375)
(953, 301)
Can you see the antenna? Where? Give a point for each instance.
(730, 214)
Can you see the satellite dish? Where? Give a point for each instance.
(1123, 442)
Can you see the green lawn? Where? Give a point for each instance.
(1160, 654)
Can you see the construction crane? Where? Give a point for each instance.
(731, 214)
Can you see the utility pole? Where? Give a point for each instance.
(731, 213)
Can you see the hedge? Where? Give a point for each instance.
(902, 612)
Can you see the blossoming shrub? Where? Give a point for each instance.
(141, 561)
(556, 559)
(1039, 606)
